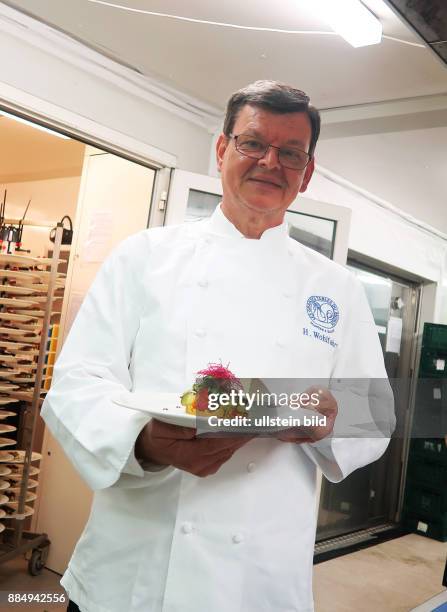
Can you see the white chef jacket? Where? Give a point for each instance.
(167, 302)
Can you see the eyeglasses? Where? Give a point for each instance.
(289, 157)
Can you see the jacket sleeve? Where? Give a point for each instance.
(97, 434)
(359, 383)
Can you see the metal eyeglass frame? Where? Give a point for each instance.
(268, 146)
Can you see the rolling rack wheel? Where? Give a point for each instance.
(37, 560)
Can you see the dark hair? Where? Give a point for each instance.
(275, 97)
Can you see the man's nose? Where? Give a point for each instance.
(270, 159)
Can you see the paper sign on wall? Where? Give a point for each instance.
(394, 335)
(99, 233)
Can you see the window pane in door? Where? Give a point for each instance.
(314, 232)
(201, 204)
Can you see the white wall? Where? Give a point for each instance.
(65, 78)
(382, 235)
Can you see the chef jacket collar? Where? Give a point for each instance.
(219, 224)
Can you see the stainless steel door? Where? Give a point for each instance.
(369, 496)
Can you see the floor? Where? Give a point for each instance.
(396, 576)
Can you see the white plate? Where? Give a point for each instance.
(6, 428)
(29, 328)
(5, 387)
(27, 276)
(7, 358)
(11, 331)
(7, 442)
(12, 259)
(31, 484)
(24, 352)
(23, 396)
(4, 499)
(47, 261)
(11, 509)
(16, 302)
(14, 497)
(4, 401)
(5, 456)
(16, 471)
(4, 484)
(13, 346)
(45, 274)
(5, 471)
(33, 313)
(4, 414)
(15, 290)
(18, 456)
(35, 284)
(12, 316)
(19, 259)
(6, 373)
(164, 407)
(27, 337)
(25, 368)
(43, 299)
(22, 380)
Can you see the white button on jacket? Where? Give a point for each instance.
(136, 331)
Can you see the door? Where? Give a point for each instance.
(369, 497)
(114, 202)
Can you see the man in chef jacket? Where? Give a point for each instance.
(188, 524)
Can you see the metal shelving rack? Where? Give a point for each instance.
(15, 540)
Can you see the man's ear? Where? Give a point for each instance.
(221, 147)
(308, 175)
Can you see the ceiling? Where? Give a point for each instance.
(28, 154)
(209, 62)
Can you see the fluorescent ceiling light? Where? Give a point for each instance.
(34, 125)
(351, 20)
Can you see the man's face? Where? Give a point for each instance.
(263, 185)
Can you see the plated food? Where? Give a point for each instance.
(16, 471)
(12, 316)
(19, 274)
(12, 485)
(7, 442)
(7, 428)
(11, 509)
(16, 290)
(215, 380)
(16, 302)
(14, 496)
(6, 387)
(18, 456)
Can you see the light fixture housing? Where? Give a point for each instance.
(34, 125)
(351, 19)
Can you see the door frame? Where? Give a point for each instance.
(59, 119)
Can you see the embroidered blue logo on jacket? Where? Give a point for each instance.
(323, 312)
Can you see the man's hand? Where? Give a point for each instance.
(328, 407)
(172, 445)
